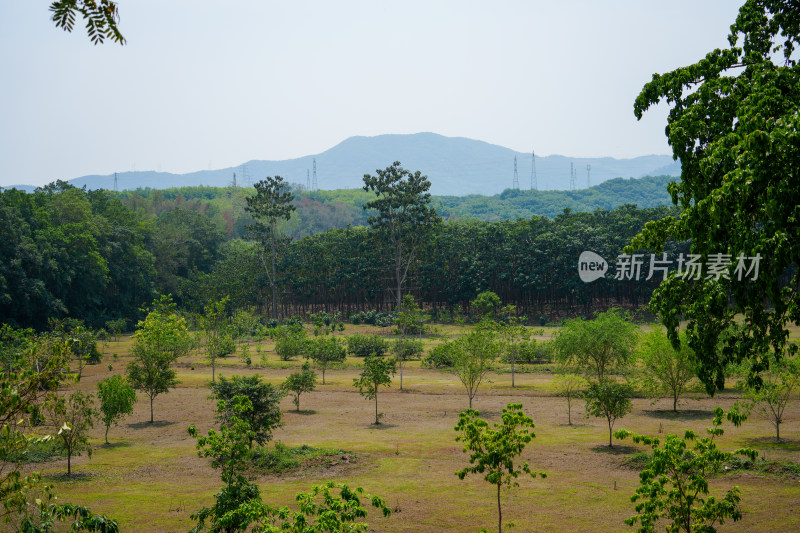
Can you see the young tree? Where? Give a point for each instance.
(117, 327)
(493, 450)
(116, 400)
(265, 398)
(228, 450)
(597, 346)
(271, 203)
(410, 318)
(216, 324)
(73, 416)
(777, 388)
(610, 400)
(291, 343)
(486, 304)
(472, 356)
(570, 386)
(159, 339)
(404, 216)
(405, 349)
(674, 485)
(664, 369)
(514, 335)
(377, 371)
(325, 352)
(300, 382)
(732, 124)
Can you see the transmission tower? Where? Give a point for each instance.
(588, 174)
(245, 176)
(571, 177)
(515, 183)
(308, 180)
(233, 183)
(116, 185)
(534, 179)
(314, 185)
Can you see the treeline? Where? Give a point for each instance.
(98, 256)
(318, 211)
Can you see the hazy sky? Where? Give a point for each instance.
(214, 84)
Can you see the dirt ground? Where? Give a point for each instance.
(151, 480)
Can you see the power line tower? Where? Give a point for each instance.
(233, 183)
(308, 180)
(534, 179)
(314, 185)
(116, 184)
(571, 177)
(515, 183)
(588, 174)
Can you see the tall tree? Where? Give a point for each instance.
(116, 399)
(271, 203)
(733, 124)
(404, 216)
(264, 398)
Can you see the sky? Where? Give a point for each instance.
(207, 84)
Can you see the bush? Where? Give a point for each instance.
(39, 451)
(283, 459)
(366, 346)
(373, 318)
(440, 356)
(531, 352)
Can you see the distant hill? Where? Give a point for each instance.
(456, 166)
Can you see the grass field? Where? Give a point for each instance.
(150, 478)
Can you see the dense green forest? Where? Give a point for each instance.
(100, 255)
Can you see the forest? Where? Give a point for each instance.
(101, 255)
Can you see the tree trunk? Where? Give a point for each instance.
(107, 434)
(470, 402)
(69, 463)
(213, 370)
(272, 281)
(569, 412)
(499, 512)
(778, 431)
(151, 409)
(401, 377)
(675, 403)
(610, 444)
(512, 373)
(377, 421)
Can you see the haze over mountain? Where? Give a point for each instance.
(455, 165)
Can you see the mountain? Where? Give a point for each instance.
(455, 165)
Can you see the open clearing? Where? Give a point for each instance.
(150, 478)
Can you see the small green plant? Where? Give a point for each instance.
(674, 484)
(493, 450)
(377, 371)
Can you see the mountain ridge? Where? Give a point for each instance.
(456, 166)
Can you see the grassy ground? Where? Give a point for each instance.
(150, 478)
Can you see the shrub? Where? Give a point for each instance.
(366, 346)
(440, 356)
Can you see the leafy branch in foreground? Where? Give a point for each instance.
(101, 18)
(674, 486)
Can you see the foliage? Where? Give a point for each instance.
(281, 458)
(404, 216)
(228, 449)
(265, 415)
(326, 352)
(101, 18)
(493, 450)
(73, 416)
(216, 326)
(377, 372)
(300, 382)
(116, 400)
(778, 386)
(359, 345)
(733, 124)
(405, 349)
(674, 484)
(117, 327)
(665, 369)
(570, 386)
(599, 346)
(472, 356)
(291, 343)
(608, 399)
(486, 304)
(271, 203)
(440, 356)
(410, 318)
